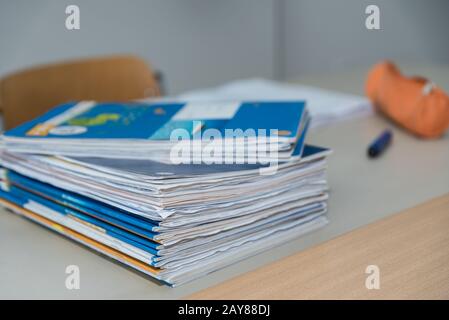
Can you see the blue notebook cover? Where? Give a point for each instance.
(115, 232)
(86, 205)
(155, 121)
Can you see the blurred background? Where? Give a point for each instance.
(203, 43)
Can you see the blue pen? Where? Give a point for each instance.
(378, 146)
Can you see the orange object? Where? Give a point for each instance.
(415, 103)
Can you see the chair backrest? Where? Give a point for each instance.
(29, 93)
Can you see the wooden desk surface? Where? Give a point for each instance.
(411, 250)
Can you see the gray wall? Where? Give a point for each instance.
(324, 36)
(198, 43)
(195, 43)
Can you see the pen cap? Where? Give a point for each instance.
(380, 144)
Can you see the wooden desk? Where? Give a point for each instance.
(411, 250)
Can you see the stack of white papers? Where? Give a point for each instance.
(162, 131)
(173, 222)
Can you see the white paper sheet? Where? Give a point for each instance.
(325, 106)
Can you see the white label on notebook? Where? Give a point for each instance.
(208, 110)
(68, 130)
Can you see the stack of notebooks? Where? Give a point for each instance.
(106, 175)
